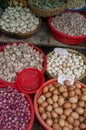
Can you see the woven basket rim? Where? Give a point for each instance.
(22, 34)
(74, 52)
(47, 10)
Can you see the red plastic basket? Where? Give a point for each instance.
(35, 47)
(4, 83)
(30, 102)
(64, 38)
(39, 92)
(30, 80)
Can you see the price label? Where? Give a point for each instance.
(61, 51)
(62, 78)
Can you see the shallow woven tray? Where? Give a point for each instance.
(47, 13)
(21, 35)
(71, 51)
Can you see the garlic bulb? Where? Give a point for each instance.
(73, 24)
(18, 57)
(18, 20)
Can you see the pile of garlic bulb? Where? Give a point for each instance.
(19, 20)
(18, 57)
(72, 65)
(73, 24)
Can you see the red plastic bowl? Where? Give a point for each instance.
(35, 47)
(30, 80)
(39, 92)
(31, 106)
(64, 38)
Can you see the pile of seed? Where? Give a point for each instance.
(16, 58)
(76, 4)
(48, 4)
(18, 20)
(72, 24)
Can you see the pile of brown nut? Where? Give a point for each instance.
(63, 107)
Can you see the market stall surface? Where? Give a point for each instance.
(43, 38)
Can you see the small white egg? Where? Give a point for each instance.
(68, 69)
(76, 63)
(83, 71)
(81, 63)
(64, 71)
(56, 68)
(68, 64)
(53, 65)
(80, 57)
(60, 71)
(70, 61)
(84, 67)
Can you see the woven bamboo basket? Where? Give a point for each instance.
(73, 52)
(47, 13)
(21, 35)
